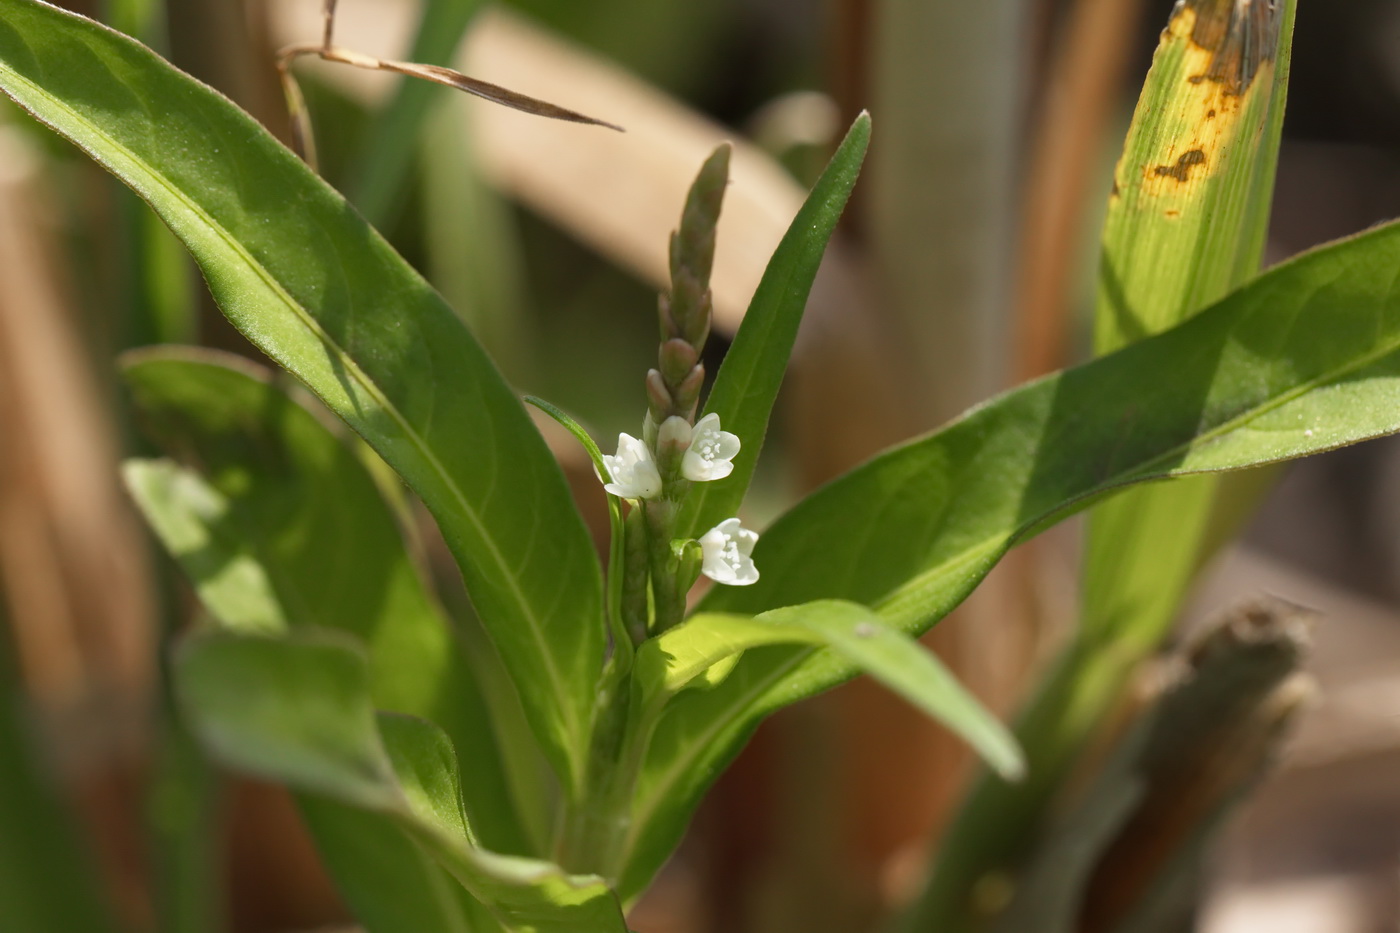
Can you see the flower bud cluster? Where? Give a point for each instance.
(655, 471)
(673, 387)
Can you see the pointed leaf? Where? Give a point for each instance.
(297, 270)
(914, 530)
(748, 379)
(667, 664)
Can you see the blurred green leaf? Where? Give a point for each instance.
(389, 883)
(48, 882)
(294, 712)
(297, 270)
(380, 177)
(913, 531)
(748, 380)
(473, 244)
(286, 527)
(297, 710)
(192, 520)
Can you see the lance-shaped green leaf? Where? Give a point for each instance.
(669, 663)
(748, 379)
(913, 531)
(297, 710)
(298, 271)
(285, 526)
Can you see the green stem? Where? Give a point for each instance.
(668, 601)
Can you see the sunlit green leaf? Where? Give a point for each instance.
(667, 664)
(298, 271)
(913, 531)
(192, 520)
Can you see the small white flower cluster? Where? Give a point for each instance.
(709, 455)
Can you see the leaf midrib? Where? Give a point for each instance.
(565, 709)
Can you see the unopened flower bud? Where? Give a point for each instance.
(659, 399)
(687, 394)
(677, 359)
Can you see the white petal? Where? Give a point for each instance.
(710, 453)
(726, 549)
(633, 471)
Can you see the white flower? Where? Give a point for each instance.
(710, 452)
(633, 471)
(726, 548)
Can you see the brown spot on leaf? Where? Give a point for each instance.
(1241, 35)
(1181, 171)
(1172, 215)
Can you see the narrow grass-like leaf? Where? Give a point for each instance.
(297, 270)
(913, 531)
(748, 379)
(286, 527)
(669, 663)
(1190, 202)
(297, 710)
(383, 166)
(1185, 225)
(48, 883)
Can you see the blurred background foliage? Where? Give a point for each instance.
(965, 264)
